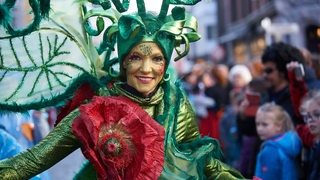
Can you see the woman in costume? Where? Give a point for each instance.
(141, 125)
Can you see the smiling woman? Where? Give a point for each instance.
(144, 67)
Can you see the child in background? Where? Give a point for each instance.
(281, 146)
(310, 111)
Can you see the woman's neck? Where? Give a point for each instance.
(133, 91)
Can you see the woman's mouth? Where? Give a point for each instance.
(144, 79)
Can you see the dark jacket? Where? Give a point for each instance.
(314, 162)
(283, 99)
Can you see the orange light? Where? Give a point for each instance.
(318, 32)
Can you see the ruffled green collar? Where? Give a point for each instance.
(156, 98)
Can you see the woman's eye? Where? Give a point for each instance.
(134, 57)
(158, 59)
(317, 115)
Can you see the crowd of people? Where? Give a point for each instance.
(274, 87)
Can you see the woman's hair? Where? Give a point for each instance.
(220, 72)
(281, 116)
(241, 69)
(281, 54)
(313, 95)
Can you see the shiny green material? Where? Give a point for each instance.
(169, 34)
(186, 154)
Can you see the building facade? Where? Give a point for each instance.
(245, 27)
(206, 13)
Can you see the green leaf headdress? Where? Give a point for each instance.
(168, 31)
(44, 63)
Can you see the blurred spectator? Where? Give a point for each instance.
(221, 89)
(298, 90)
(256, 68)
(20, 126)
(255, 95)
(310, 111)
(275, 58)
(310, 74)
(229, 132)
(52, 116)
(316, 66)
(209, 125)
(189, 81)
(9, 146)
(41, 125)
(200, 102)
(307, 56)
(24, 127)
(239, 77)
(281, 145)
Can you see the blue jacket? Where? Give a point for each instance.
(277, 158)
(9, 146)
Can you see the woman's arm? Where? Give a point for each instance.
(58, 144)
(298, 89)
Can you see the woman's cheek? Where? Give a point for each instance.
(133, 66)
(161, 70)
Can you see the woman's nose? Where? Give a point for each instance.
(146, 66)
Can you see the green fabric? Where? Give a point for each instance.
(131, 29)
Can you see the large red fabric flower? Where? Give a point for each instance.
(120, 139)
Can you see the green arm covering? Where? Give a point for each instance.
(58, 144)
(216, 169)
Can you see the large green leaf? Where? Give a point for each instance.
(39, 67)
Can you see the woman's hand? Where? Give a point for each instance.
(295, 67)
(292, 65)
